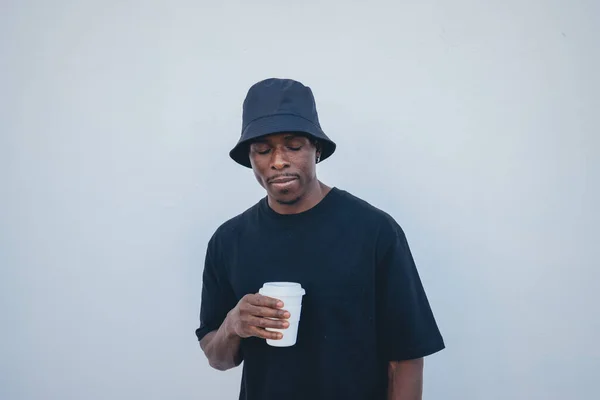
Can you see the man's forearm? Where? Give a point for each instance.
(405, 380)
(222, 347)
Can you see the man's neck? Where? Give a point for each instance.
(310, 199)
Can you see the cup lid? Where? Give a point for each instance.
(282, 289)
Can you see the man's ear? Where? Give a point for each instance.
(318, 148)
(317, 145)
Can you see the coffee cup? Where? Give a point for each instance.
(290, 293)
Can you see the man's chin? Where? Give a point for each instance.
(288, 202)
(286, 197)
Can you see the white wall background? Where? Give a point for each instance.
(474, 123)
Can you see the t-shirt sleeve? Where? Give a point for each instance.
(217, 296)
(406, 326)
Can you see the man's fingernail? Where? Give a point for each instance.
(279, 304)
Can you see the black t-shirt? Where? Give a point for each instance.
(364, 304)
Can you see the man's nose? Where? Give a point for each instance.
(279, 160)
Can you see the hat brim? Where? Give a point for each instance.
(278, 124)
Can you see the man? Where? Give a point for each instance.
(366, 322)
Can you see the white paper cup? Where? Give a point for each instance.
(295, 312)
(290, 336)
(290, 293)
(289, 301)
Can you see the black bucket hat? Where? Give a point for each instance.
(277, 106)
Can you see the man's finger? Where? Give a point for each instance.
(268, 312)
(264, 334)
(268, 323)
(265, 301)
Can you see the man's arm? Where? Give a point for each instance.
(405, 380)
(250, 317)
(222, 347)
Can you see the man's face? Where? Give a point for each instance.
(284, 164)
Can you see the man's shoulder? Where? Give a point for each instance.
(362, 208)
(236, 223)
(375, 220)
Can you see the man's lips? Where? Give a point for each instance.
(283, 179)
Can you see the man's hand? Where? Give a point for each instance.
(254, 313)
(405, 380)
